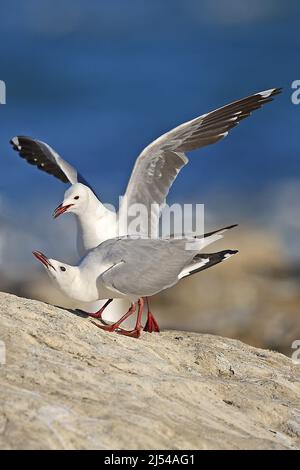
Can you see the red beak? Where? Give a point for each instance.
(61, 209)
(43, 259)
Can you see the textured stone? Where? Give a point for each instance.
(68, 385)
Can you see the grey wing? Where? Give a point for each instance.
(41, 155)
(153, 175)
(144, 267)
(160, 162)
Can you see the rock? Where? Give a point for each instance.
(68, 385)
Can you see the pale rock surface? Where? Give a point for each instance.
(68, 385)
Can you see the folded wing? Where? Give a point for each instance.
(143, 267)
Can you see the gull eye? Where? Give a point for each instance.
(62, 268)
(76, 197)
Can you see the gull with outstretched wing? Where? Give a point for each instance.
(153, 174)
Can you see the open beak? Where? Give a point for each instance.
(43, 259)
(61, 209)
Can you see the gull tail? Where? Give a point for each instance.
(203, 261)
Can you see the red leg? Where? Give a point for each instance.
(136, 332)
(100, 312)
(151, 324)
(116, 325)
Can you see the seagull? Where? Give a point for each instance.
(153, 174)
(133, 268)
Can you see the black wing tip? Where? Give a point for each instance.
(268, 95)
(213, 260)
(206, 235)
(16, 141)
(221, 255)
(230, 252)
(277, 91)
(230, 227)
(36, 153)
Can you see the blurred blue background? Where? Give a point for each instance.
(99, 80)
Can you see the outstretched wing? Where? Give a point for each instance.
(160, 162)
(41, 155)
